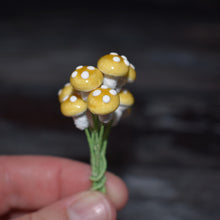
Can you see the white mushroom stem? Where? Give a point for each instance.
(81, 121)
(110, 81)
(106, 118)
(121, 82)
(118, 114)
(84, 95)
(122, 108)
(90, 119)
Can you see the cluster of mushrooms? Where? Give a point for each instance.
(98, 91)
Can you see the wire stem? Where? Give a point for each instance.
(97, 137)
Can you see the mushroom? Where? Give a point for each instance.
(126, 101)
(129, 78)
(65, 92)
(124, 79)
(86, 79)
(131, 73)
(103, 101)
(113, 67)
(75, 107)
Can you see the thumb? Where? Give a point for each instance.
(88, 205)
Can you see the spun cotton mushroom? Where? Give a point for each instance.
(103, 101)
(65, 92)
(131, 73)
(128, 78)
(113, 67)
(76, 108)
(126, 101)
(85, 79)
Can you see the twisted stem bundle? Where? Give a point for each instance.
(97, 137)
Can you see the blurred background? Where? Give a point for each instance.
(168, 150)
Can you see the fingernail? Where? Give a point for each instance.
(91, 206)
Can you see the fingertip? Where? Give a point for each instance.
(116, 190)
(92, 205)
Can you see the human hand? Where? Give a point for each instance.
(40, 187)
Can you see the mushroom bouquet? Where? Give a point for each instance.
(96, 101)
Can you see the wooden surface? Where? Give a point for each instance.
(168, 151)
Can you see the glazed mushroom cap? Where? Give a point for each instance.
(126, 98)
(73, 106)
(131, 73)
(65, 92)
(86, 78)
(103, 101)
(114, 65)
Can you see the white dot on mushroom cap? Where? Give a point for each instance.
(74, 74)
(96, 92)
(113, 92)
(126, 62)
(60, 91)
(116, 59)
(125, 91)
(106, 98)
(85, 74)
(104, 87)
(124, 57)
(132, 66)
(90, 67)
(79, 67)
(113, 53)
(67, 84)
(73, 98)
(65, 98)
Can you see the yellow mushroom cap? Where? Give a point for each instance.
(65, 92)
(73, 106)
(131, 73)
(103, 101)
(114, 65)
(86, 78)
(126, 98)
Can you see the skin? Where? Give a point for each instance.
(31, 183)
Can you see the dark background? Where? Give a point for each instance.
(168, 150)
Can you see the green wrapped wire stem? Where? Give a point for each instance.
(97, 137)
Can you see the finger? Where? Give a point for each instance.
(32, 182)
(116, 190)
(113, 193)
(87, 206)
